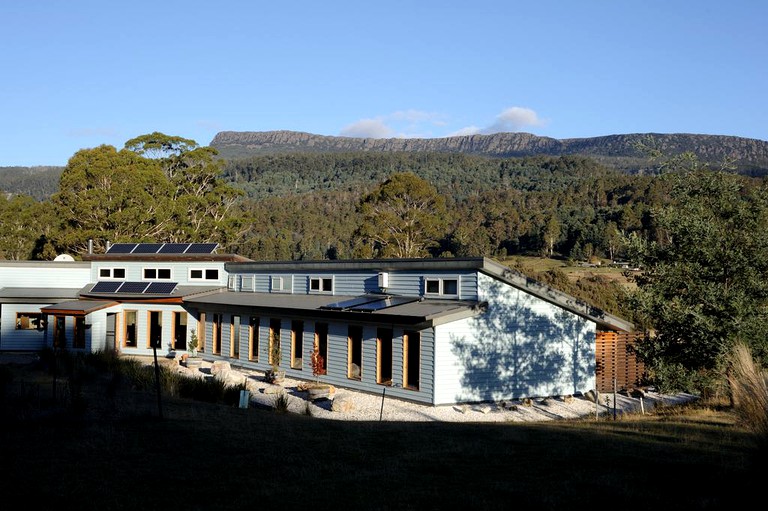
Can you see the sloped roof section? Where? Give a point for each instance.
(416, 312)
(77, 307)
(482, 264)
(36, 294)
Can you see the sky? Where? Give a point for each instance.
(80, 74)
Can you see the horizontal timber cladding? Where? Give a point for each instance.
(407, 283)
(617, 362)
(420, 388)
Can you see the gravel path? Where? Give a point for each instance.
(353, 405)
(361, 406)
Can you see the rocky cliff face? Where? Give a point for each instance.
(750, 155)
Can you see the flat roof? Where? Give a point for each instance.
(36, 294)
(423, 313)
(77, 307)
(481, 264)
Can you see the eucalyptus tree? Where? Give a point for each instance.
(704, 279)
(110, 195)
(203, 204)
(402, 217)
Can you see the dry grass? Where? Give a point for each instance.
(750, 392)
(120, 455)
(116, 453)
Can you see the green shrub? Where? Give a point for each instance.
(280, 402)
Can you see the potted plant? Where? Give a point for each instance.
(192, 359)
(275, 374)
(318, 390)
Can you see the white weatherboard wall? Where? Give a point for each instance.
(19, 340)
(522, 346)
(34, 274)
(44, 274)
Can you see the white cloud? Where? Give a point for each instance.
(367, 128)
(514, 119)
(417, 124)
(399, 124)
(463, 132)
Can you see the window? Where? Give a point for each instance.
(111, 273)
(445, 287)
(275, 350)
(179, 330)
(201, 333)
(60, 331)
(384, 356)
(216, 327)
(321, 344)
(297, 344)
(78, 341)
(253, 338)
(232, 283)
(411, 359)
(30, 321)
(281, 284)
(320, 285)
(205, 274)
(248, 283)
(355, 352)
(157, 274)
(155, 330)
(234, 337)
(129, 335)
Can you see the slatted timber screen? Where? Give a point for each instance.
(615, 360)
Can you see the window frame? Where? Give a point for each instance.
(135, 324)
(203, 275)
(321, 283)
(286, 284)
(41, 321)
(441, 286)
(111, 273)
(156, 270)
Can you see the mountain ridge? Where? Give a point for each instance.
(622, 151)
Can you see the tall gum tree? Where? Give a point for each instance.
(110, 195)
(402, 217)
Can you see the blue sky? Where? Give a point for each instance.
(78, 74)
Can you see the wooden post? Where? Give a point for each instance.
(383, 393)
(157, 381)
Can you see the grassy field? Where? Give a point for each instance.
(114, 452)
(574, 270)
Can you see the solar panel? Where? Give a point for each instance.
(164, 288)
(133, 287)
(201, 248)
(173, 248)
(121, 248)
(147, 248)
(105, 287)
(345, 304)
(384, 303)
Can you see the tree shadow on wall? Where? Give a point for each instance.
(517, 350)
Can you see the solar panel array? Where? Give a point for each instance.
(159, 288)
(162, 248)
(370, 303)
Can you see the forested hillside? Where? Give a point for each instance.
(321, 205)
(630, 152)
(37, 182)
